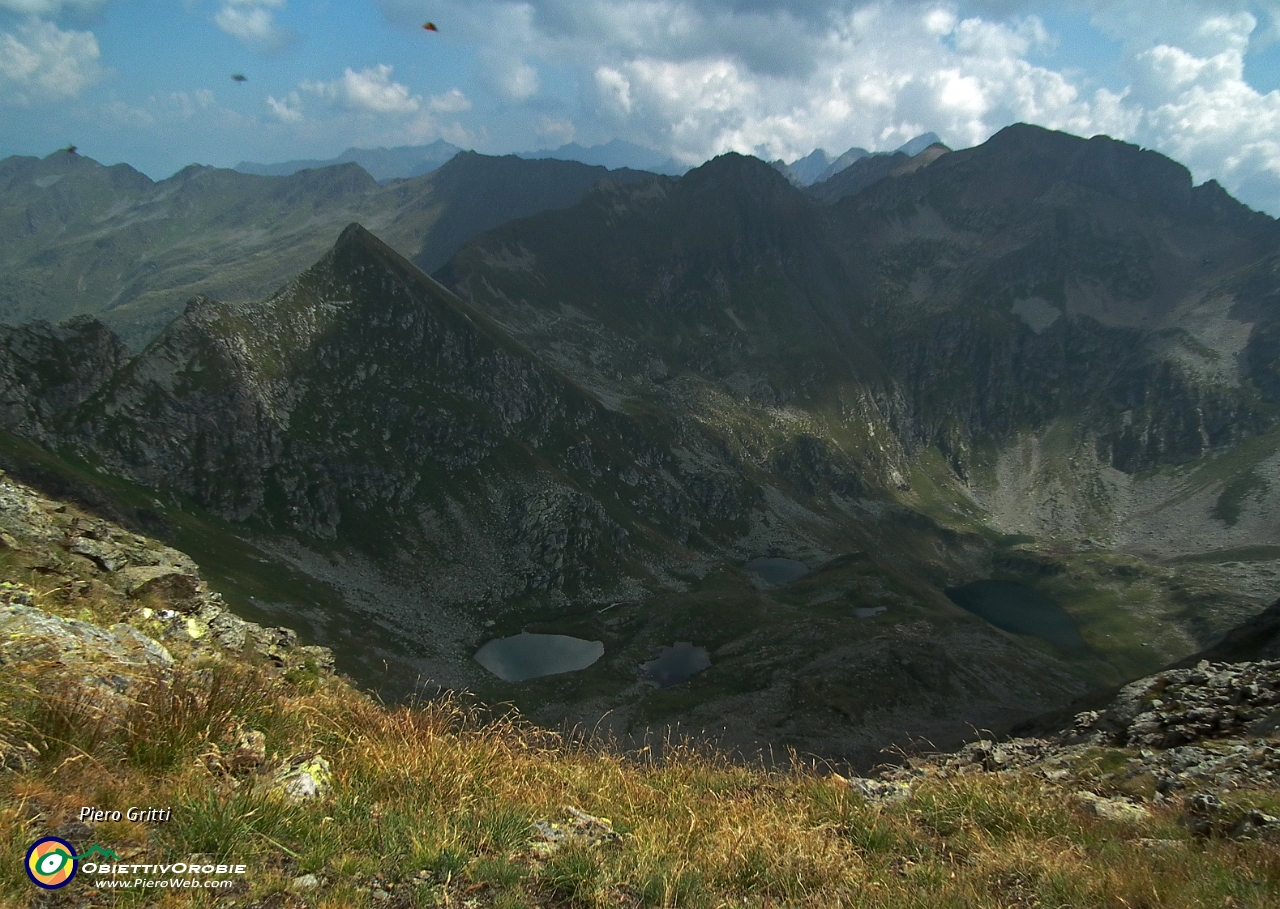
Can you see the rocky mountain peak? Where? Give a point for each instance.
(743, 172)
(1024, 163)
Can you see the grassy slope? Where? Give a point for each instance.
(433, 804)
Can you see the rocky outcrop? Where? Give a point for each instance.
(114, 615)
(158, 588)
(1178, 706)
(47, 372)
(1187, 737)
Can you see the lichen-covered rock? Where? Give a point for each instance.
(13, 594)
(108, 557)
(581, 829)
(1114, 809)
(27, 632)
(302, 778)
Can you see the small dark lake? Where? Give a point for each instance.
(529, 656)
(1014, 607)
(675, 665)
(777, 572)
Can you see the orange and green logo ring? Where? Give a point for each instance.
(51, 863)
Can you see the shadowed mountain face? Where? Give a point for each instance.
(1044, 361)
(80, 238)
(869, 169)
(1000, 288)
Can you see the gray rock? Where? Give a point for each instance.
(107, 556)
(33, 632)
(305, 882)
(303, 778)
(1255, 823)
(1114, 809)
(178, 587)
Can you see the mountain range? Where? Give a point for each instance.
(613, 154)
(818, 166)
(1045, 362)
(406, 161)
(80, 238)
(383, 164)
(403, 162)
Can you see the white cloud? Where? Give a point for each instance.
(117, 113)
(555, 131)
(170, 107)
(781, 77)
(1201, 111)
(288, 109)
(451, 102)
(47, 8)
(614, 89)
(511, 77)
(252, 22)
(39, 62)
(370, 90)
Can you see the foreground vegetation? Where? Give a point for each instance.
(434, 804)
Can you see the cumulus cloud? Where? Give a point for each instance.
(40, 62)
(252, 22)
(371, 108)
(512, 78)
(556, 131)
(451, 102)
(370, 90)
(1200, 110)
(287, 109)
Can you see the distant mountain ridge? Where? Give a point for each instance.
(614, 154)
(387, 164)
(383, 164)
(818, 166)
(81, 238)
(871, 169)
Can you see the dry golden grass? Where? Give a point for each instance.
(434, 804)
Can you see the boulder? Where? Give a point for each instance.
(302, 778)
(176, 586)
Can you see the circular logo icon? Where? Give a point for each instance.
(51, 863)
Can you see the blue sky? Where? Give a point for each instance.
(149, 81)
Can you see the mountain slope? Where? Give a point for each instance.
(857, 175)
(1043, 336)
(1038, 369)
(368, 428)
